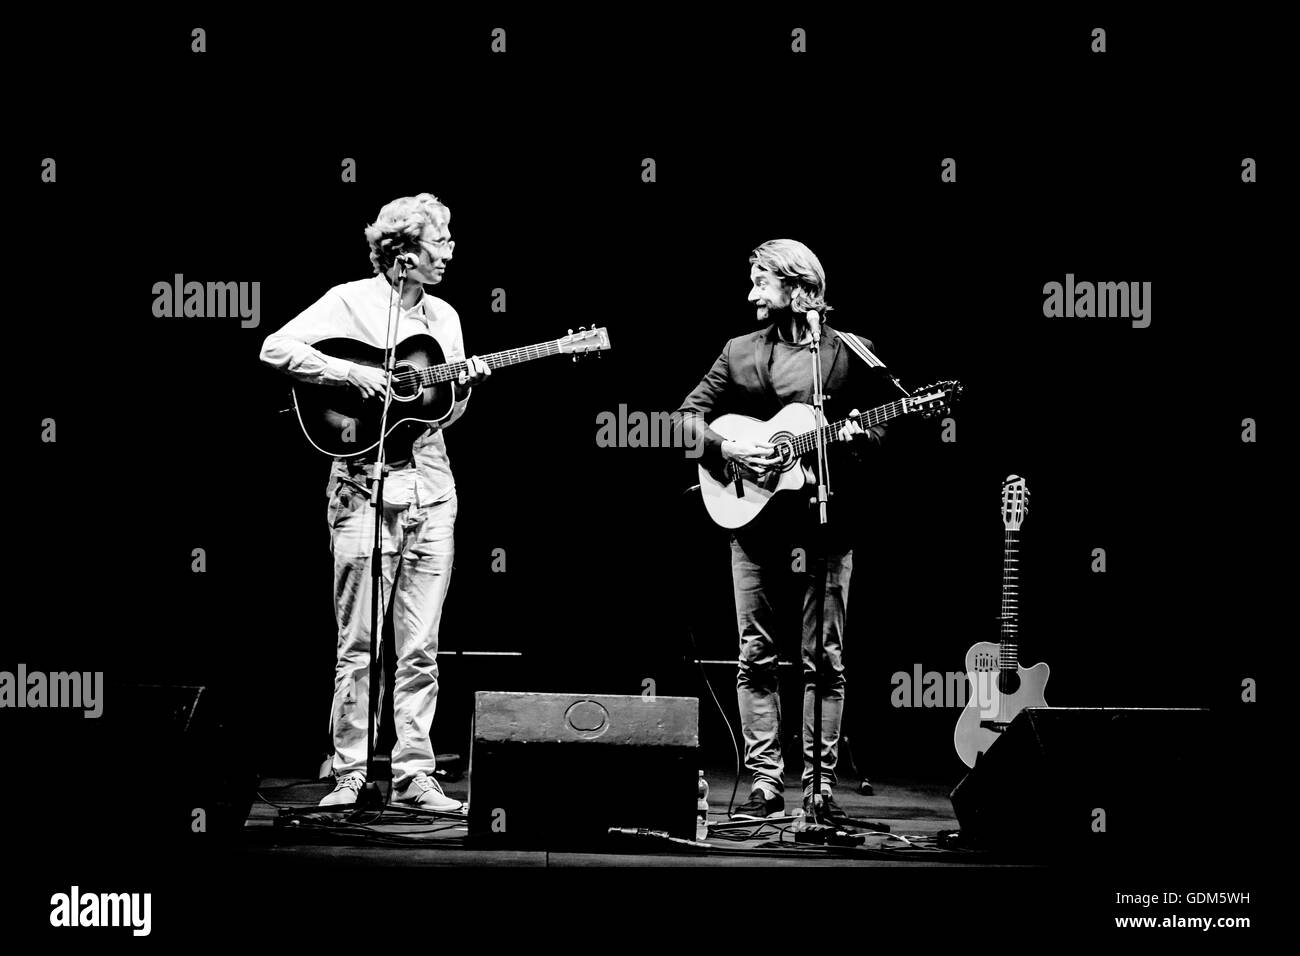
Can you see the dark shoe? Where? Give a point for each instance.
(865, 788)
(759, 807)
(832, 812)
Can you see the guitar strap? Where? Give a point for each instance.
(858, 348)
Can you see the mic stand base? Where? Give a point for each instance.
(370, 797)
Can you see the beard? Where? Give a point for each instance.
(768, 313)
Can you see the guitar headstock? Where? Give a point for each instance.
(935, 399)
(1015, 502)
(585, 341)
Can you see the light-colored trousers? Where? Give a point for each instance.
(417, 549)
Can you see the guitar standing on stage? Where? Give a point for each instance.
(419, 507)
(757, 374)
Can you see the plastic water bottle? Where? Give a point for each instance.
(702, 810)
(800, 821)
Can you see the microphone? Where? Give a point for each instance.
(408, 259)
(814, 325)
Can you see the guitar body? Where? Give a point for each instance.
(340, 422)
(995, 699)
(732, 510)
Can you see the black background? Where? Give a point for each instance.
(225, 166)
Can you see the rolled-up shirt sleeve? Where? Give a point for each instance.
(290, 350)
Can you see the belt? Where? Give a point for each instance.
(357, 467)
(364, 470)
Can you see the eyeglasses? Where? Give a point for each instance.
(441, 244)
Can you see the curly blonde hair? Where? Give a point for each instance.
(399, 227)
(796, 264)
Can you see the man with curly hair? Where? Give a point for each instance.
(758, 374)
(419, 506)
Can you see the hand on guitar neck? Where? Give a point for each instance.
(370, 381)
(476, 370)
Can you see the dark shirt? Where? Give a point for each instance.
(791, 372)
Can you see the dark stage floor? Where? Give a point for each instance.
(915, 812)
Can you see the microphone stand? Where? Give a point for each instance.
(820, 562)
(822, 546)
(372, 796)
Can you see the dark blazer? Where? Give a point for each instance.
(740, 383)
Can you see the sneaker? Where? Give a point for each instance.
(759, 807)
(832, 812)
(345, 790)
(865, 788)
(423, 792)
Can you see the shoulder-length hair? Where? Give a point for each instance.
(796, 264)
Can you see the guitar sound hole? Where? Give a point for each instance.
(1008, 682)
(780, 443)
(406, 382)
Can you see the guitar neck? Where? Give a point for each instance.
(807, 442)
(450, 371)
(1010, 656)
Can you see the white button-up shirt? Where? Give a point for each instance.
(359, 310)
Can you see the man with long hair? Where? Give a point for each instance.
(419, 506)
(758, 374)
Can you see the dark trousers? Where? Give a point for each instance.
(767, 574)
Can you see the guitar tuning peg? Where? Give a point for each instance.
(570, 331)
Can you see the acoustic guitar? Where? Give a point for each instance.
(734, 495)
(1000, 687)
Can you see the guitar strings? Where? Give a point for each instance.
(805, 443)
(1008, 657)
(406, 375)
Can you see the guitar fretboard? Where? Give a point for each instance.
(1010, 654)
(805, 443)
(450, 371)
